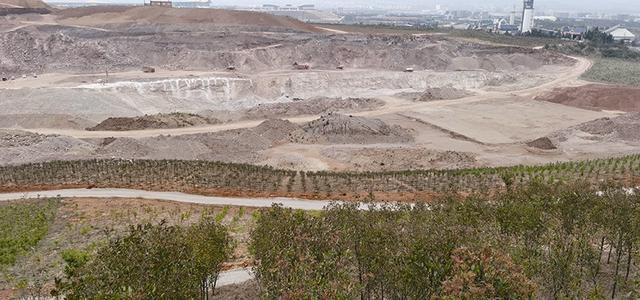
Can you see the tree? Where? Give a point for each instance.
(151, 262)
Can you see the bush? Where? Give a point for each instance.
(150, 262)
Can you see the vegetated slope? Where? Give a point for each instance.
(618, 71)
(80, 224)
(23, 4)
(22, 227)
(215, 178)
(159, 121)
(97, 16)
(597, 97)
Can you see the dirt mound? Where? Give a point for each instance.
(621, 128)
(396, 159)
(596, 97)
(23, 4)
(19, 147)
(339, 128)
(159, 121)
(17, 138)
(312, 106)
(276, 131)
(543, 143)
(437, 93)
(96, 16)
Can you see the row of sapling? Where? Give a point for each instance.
(212, 176)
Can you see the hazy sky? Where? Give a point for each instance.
(565, 5)
(622, 6)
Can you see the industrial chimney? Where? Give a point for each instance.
(527, 17)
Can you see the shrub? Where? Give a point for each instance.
(150, 262)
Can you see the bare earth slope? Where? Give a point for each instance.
(97, 16)
(597, 97)
(23, 4)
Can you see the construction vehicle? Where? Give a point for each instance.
(148, 70)
(298, 66)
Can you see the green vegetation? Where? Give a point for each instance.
(617, 71)
(503, 39)
(22, 226)
(539, 241)
(150, 262)
(211, 177)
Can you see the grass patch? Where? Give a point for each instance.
(22, 226)
(616, 71)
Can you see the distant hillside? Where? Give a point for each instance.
(23, 4)
(103, 15)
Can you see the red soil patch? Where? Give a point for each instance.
(596, 97)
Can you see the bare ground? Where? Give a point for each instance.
(596, 97)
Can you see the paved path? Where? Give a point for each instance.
(169, 196)
(234, 277)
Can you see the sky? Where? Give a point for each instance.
(607, 6)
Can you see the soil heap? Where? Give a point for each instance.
(159, 121)
(347, 129)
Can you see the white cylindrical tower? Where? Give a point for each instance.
(527, 17)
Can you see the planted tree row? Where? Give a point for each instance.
(539, 241)
(215, 177)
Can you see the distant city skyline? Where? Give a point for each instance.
(610, 6)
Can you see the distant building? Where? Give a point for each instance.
(192, 3)
(574, 33)
(504, 26)
(527, 17)
(305, 13)
(164, 3)
(621, 34)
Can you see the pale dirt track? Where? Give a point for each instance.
(392, 106)
(170, 196)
